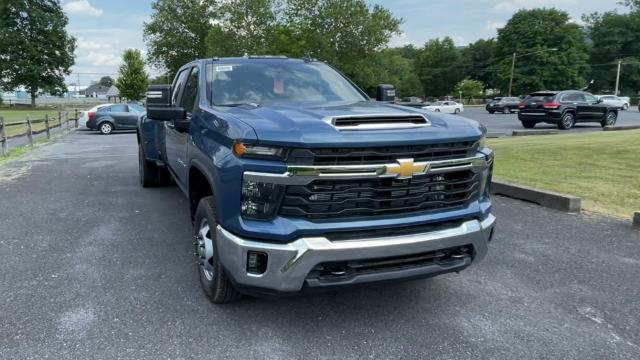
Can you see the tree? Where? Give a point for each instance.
(393, 68)
(177, 32)
(106, 81)
(478, 60)
(132, 80)
(532, 34)
(439, 67)
(614, 37)
(35, 50)
(470, 88)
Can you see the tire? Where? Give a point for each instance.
(506, 111)
(610, 119)
(456, 111)
(148, 171)
(215, 283)
(106, 128)
(528, 124)
(437, 110)
(625, 107)
(567, 122)
(491, 112)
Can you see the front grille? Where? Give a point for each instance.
(369, 197)
(382, 155)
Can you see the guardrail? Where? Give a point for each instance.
(49, 124)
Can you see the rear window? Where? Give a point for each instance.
(539, 98)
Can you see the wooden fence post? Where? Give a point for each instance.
(3, 138)
(29, 131)
(76, 117)
(46, 126)
(60, 120)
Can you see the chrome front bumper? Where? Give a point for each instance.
(289, 264)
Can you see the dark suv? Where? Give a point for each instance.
(565, 109)
(505, 105)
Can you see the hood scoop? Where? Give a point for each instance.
(378, 122)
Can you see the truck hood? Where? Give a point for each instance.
(295, 126)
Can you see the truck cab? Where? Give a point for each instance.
(297, 180)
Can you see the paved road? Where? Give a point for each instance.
(505, 124)
(94, 267)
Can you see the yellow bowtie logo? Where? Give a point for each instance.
(406, 168)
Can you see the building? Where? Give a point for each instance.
(96, 91)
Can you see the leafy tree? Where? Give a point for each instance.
(106, 81)
(470, 88)
(614, 37)
(177, 32)
(439, 67)
(393, 68)
(409, 52)
(479, 61)
(243, 26)
(531, 34)
(132, 78)
(35, 50)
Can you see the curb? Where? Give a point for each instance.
(618, 128)
(636, 220)
(562, 202)
(534, 132)
(496, 135)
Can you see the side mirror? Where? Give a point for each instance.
(159, 96)
(386, 93)
(166, 113)
(600, 101)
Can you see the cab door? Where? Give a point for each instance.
(174, 138)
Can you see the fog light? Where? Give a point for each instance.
(256, 262)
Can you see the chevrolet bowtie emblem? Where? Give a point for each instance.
(406, 168)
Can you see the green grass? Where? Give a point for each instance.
(17, 116)
(603, 168)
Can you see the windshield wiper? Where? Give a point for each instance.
(255, 105)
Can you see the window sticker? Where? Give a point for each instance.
(224, 68)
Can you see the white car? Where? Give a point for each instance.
(449, 107)
(612, 100)
(82, 120)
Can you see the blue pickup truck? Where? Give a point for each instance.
(297, 180)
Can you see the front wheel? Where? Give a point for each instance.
(215, 283)
(437, 110)
(567, 122)
(147, 170)
(625, 107)
(456, 111)
(491, 112)
(610, 119)
(506, 111)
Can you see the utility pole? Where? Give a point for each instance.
(618, 77)
(513, 69)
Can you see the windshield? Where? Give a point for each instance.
(281, 81)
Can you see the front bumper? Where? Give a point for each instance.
(289, 265)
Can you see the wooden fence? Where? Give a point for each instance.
(50, 122)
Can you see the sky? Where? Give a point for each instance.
(105, 28)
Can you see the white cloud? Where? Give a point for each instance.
(514, 5)
(81, 7)
(493, 26)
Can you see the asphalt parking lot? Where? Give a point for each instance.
(95, 267)
(507, 123)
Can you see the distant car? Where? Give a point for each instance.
(450, 107)
(411, 101)
(84, 116)
(505, 105)
(612, 100)
(565, 109)
(115, 117)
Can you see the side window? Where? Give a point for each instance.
(190, 92)
(572, 97)
(119, 108)
(178, 85)
(590, 98)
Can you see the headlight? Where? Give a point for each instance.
(258, 151)
(485, 181)
(260, 200)
(483, 142)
